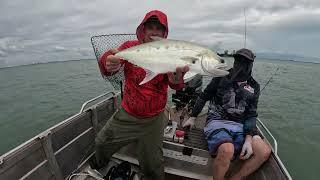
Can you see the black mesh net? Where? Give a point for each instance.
(102, 44)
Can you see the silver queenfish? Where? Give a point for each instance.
(165, 55)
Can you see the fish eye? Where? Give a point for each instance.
(193, 61)
(222, 60)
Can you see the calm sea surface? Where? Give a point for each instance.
(35, 97)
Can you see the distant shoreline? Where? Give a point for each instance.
(290, 60)
(5, 67)
(45, 63)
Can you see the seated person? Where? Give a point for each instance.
(230, 128)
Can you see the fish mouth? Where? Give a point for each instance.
(218, 71)
(221, 70)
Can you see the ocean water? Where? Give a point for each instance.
(35, 97)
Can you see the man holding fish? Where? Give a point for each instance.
(151, 64)
(141, 116)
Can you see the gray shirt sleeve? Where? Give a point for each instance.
(251, 117)
(205, 96)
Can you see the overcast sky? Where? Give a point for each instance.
(43, 30)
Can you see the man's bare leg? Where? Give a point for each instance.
(222, 161)
(261, 153)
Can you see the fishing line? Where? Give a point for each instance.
(269, 80)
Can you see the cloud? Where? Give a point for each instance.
(60, 49)
(2, 54)
(59, 30)
(10, 45)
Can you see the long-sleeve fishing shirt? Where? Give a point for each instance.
(145, 100)
(229, 101)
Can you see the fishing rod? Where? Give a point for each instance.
(245, 43)
(269, 80)
(245, 27)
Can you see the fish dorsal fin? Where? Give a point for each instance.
(149, 76)
(188, 76)
(157, 38)
(190, 59)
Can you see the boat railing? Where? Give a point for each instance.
(275, 143)
(274, 147)
(55, 152)
(112, 93)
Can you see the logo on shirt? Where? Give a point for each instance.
(248, 88)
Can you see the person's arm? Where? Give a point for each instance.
(175, 80)
(176, 86)
(206, 95)
(109, 64)
(250, 127)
